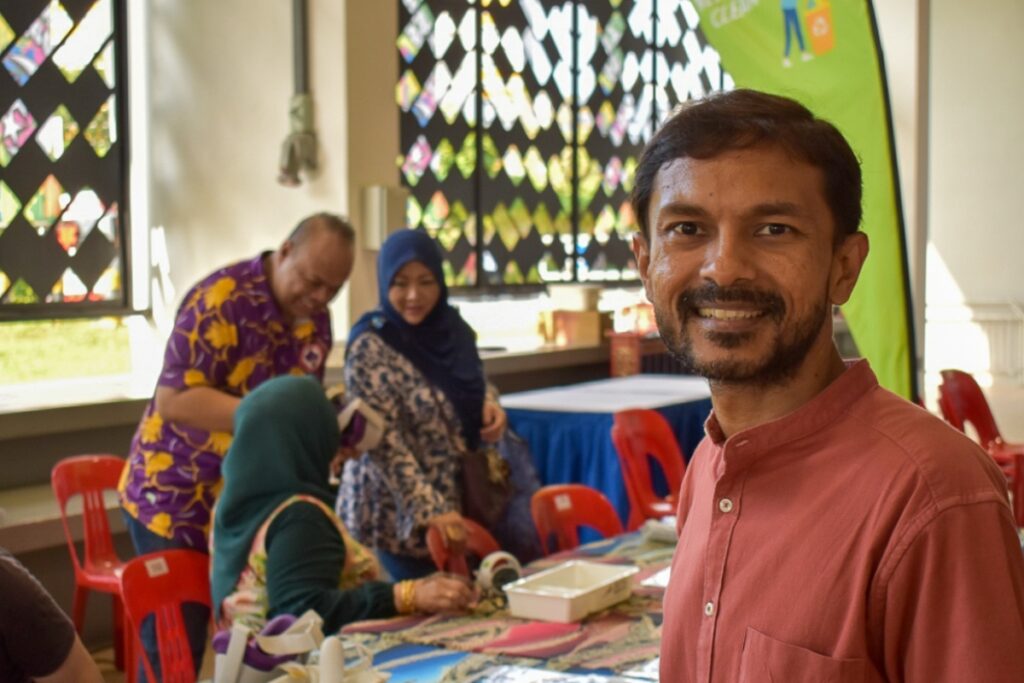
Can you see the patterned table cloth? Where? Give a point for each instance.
(621, 640)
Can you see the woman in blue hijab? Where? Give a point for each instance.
(414, 360)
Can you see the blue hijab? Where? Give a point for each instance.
(443, 345)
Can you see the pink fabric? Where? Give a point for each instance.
(866, 541)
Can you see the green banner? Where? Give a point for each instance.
(826, 55)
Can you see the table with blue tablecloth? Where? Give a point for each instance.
(568, 428)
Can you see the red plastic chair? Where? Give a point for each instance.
(559, 510)
(158, 584)
(637, 434)
(100, 568)
(962, 402)
(479, 543)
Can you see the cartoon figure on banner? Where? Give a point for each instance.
(819, 28)
(791, 24)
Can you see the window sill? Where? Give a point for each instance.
(95, 403)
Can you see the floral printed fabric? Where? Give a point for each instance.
(389, 494)
(230, 335)
(249, 604)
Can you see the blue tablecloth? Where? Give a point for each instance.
(572, 446)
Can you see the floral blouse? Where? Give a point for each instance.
(389, 494)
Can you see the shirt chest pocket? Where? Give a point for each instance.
(766, 660)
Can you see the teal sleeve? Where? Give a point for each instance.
(305, 555)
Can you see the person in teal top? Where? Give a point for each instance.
(277, 547)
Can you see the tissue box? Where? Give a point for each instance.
(570, 591)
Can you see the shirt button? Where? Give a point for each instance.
(709, 608)
(725, 505)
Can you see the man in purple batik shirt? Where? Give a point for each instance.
(238, 327)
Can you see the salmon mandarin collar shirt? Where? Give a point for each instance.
(858, 538)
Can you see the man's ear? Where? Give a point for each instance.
(642, 254)
(285, 250)
(847, 261)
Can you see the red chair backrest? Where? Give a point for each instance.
(560, 509)
(962, 402)
(158, 584)
(479, 542)
(636, 434)
(88, 476)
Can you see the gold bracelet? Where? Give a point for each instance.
(406, 597)
(410, 597)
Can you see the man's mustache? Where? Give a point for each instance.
(710, 294)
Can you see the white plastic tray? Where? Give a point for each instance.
(569, 591)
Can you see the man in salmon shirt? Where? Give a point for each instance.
(241, 325)
(828, 529)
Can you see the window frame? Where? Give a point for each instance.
(483, 285)
(121, 91)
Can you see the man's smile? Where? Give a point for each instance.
(728, 313)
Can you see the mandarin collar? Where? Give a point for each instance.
(818, 413)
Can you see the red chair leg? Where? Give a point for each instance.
(131, 657)
(78, 607)
(119, 633)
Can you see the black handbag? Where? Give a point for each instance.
(486, 482)
(486, 486)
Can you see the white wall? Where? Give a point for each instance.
(956, 91)
(220, 81)
(977, 143)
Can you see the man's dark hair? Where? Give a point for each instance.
(741, 119)
(330, 222)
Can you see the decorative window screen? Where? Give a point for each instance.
(62, 158)
(523, 121)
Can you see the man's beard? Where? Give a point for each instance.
(787, 349)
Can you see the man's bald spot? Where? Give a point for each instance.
(319, 222)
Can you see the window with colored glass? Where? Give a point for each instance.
(522, 122)
(62, 159)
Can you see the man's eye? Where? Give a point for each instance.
(689, 229)
(774, 229)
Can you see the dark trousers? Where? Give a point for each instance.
(195, 616)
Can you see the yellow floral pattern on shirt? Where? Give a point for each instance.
(221, 334)
(229, 335)
(304, 330)
(160, 524)
(151, 428)
(219, 443)
(219, 292)
(157, 462)
(242, 371)
(195, 378)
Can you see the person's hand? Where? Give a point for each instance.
(494, 422)
(443, 593)
(343, 455)
(453, 531)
